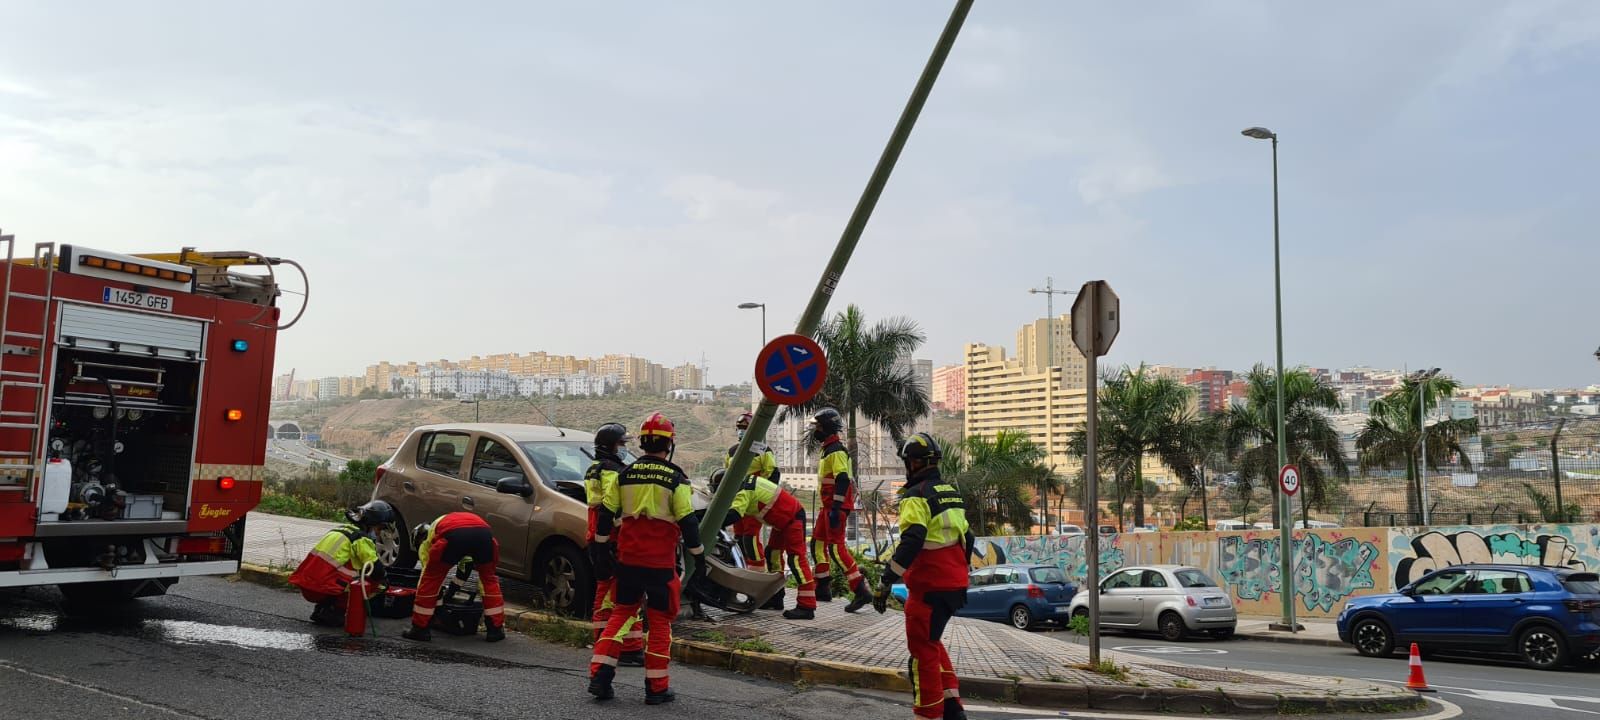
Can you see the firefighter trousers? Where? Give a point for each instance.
(828, 550)
(788, 543)
(604, 603)
(657, 589)
(933, 679)
(447, 551)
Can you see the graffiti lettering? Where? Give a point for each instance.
(1325, 573)
(1434, 550)
(1250, 567)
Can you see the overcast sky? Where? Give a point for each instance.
(587, 178)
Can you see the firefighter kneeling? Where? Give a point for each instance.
(650, 502)
(935, 547)
(762, 500)
(345, 563)
(443, 545)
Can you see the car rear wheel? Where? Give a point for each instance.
(394, 545)
(1021, 617)
(1172, 627)
(1542, 648)
(1373, 638)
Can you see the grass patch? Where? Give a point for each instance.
(711, 636)
(1185, 684)
(562, 633)
(300, 506)
(1108, 669)
(756, 645)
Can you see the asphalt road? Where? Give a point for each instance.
(298, 453)
(1482, 687)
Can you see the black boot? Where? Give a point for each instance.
(419, 634)
(953, 709)
(327, 614)
(861, 600)
(824, 590)
(657, 698)
(600, 683)
(494, 634)
(800, 614)
(631, 658)
(776, 603)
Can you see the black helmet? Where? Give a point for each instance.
(826, 422)
(716, 478)
(418, 534)
(921, 446)
(376, 512)
(610, 435)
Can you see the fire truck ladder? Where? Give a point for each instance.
(19, 466)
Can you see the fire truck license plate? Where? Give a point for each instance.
(142, 301)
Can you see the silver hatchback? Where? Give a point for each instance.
(1174, 600)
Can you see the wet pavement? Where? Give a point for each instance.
(220, 649)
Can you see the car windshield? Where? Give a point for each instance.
(1194, 579)
(1049, 575)
(1582, 583)
(562, 461)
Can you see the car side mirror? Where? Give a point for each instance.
(1408, 591)
(514, 485)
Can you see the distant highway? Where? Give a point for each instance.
(296, 452)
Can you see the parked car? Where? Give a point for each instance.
(1547, 616)
(1174, 600)
(526, 480)
(1020, 594)
(1069, 529)
(1231, 525)
(1108, 530)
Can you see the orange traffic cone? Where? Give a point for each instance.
(1417, 682)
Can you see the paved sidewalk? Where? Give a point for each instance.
(1318, 631)
(993, 659)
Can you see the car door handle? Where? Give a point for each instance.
(467, 502)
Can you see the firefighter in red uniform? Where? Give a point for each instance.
(443, 545)
(748, 531)
(838, 497)
(933, 555)
(326, 574)
(651, 506)
(762, 500)
(609, 440)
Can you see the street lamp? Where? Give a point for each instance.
(474, 404)
(1286, 539)
(763, 306)
(1422, 377)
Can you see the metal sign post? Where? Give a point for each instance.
(1095, 323)
(723, 499)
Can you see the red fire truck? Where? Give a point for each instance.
(133, 393)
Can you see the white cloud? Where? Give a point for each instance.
(706, 198)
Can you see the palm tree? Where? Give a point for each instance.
(996, 476)
(1313, 444)
(1140, 414)
(1201, 443)
(868, 380)
(1391, 435)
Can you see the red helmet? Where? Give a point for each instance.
(656, 425)
(744, 421)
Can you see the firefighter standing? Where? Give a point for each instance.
(838, 501)
(748, 530)
(345, 553)
(762, 500)
(651, 507)
(444, 544)
(935, 548)
(609, 440)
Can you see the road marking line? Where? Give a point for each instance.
(98, 691)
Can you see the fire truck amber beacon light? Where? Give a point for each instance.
(235, 414)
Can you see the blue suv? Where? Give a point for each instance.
(1548, 616)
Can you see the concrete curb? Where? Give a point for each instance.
(784, 668)
(1288, 639)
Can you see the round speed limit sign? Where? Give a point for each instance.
(1289, 479)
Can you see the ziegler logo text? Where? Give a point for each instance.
(206, 511)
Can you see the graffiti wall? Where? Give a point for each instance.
(1330, 566)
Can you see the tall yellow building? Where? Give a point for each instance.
(1005, 394)
(1037, 350)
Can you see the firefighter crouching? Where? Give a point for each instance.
(747, 531)
(443, 545)
(838, 498)
(329, 574)
(762, 500)
(935, 547)
(651, 507)
(609, 440)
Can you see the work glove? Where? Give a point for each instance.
(602, 558)
(880, 599)
(701, 568)
(835, 516)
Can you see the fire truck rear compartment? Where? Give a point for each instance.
(126, 425)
